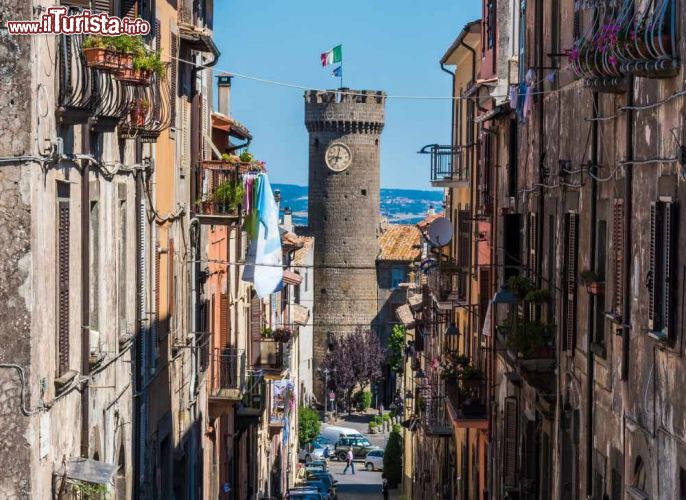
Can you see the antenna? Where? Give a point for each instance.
(440, 232)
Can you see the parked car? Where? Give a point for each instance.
(374, 460)
(327, 479)
(333, 433)
(311, 451)
(322, 441)
(304, 494)
(361, 446)
(321, 486)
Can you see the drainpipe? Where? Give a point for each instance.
(85, 299)
(470, 129)
(592, 303)
(628, 208)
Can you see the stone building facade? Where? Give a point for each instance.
(343, 211)
(579, 137)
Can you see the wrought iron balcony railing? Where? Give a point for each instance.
(626, 37)
(77, 97)
(435, 418)
(253, 401)
(216, 181)
(149, 109)
(466, 401)
(449, 167)
(227, 373)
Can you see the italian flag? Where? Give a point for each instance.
(332, 56)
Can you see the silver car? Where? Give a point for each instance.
(374, 460)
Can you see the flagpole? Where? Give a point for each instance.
(341, 75)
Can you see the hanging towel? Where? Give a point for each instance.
(268, 270)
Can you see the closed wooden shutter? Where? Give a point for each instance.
(156, 330)
(510, 443)
(618, 255)
(171, 298)
(106, 6)
(255, 317)
(661, 285)
(129, 8)
(173, 78)
(224, 321)
(63, 287)
(653, 270)
(531, 263)
(669, 283)
(570, 272)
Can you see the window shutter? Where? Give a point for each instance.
(129, 8)
(224, 323)
(669, 241)
(618, 254)
(170, 278)
(255, 317)
(532, 244)
(510, 443)
(63, 287)
(174, 51)
(571, 247)
(156, 330)
(653, 267)
(105, 6)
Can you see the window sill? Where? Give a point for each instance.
(63, 382)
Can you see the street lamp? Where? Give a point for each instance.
(326, 373)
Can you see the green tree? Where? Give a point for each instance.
(396, 345)
(308, 424)
(393, 457)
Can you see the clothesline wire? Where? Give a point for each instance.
(358, 94)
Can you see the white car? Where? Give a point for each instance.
(374, 460)
(309, 453)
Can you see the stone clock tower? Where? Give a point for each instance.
(344, 211)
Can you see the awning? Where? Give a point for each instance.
(89, 471)
(197, 39)
(494, 113)
(404, 314)
(231, 126)
(301, 314)
(291, 278)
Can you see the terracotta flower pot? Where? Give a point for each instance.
(134, 76)
(101, 58)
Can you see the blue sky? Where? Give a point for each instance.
(388, 45)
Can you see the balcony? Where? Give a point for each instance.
(626, 41)
(281, 404)
(149, 111)
(252, 403)
(77, 98)
(273, 358)
(449, 167)
(227, 377)
(466, 402)
(219, 187)
(435, 418)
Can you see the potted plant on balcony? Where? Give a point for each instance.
(198, 206)
(139, 111)
(282, 335)
(246, 156)
(267, 332)
(126, 48)
(231, 158)
(593, 283)
(453, 365)
(229, 196)
(531, 340)
(99, 53)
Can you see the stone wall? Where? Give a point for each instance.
(15, 231)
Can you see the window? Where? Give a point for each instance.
(94, 279)
(522, 40)
(571, 245)
(617, 256)
(463, 256)
(601, 257)
(62, 272)
(397, 276)
(224, 321)
(639, 475)
(682, 483)
(510, 431)
(512, 160)
(122, 270)
(661, 276)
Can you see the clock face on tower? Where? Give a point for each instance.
(338, 157)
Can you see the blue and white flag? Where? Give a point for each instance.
(337, 72)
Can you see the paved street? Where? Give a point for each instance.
(363, 484)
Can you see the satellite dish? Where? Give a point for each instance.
(440, 232)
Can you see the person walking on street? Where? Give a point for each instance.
(349, 458)
(384, 486)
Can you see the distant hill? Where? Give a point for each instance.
(402, 206)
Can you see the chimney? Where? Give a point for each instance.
(277, 197)
(224, 94)
(431, 211)
(288, 220)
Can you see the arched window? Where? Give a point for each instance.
(639, 475)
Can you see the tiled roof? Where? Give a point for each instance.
(400, 242)
(300, 256)
(291, 241)
(424, 224)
